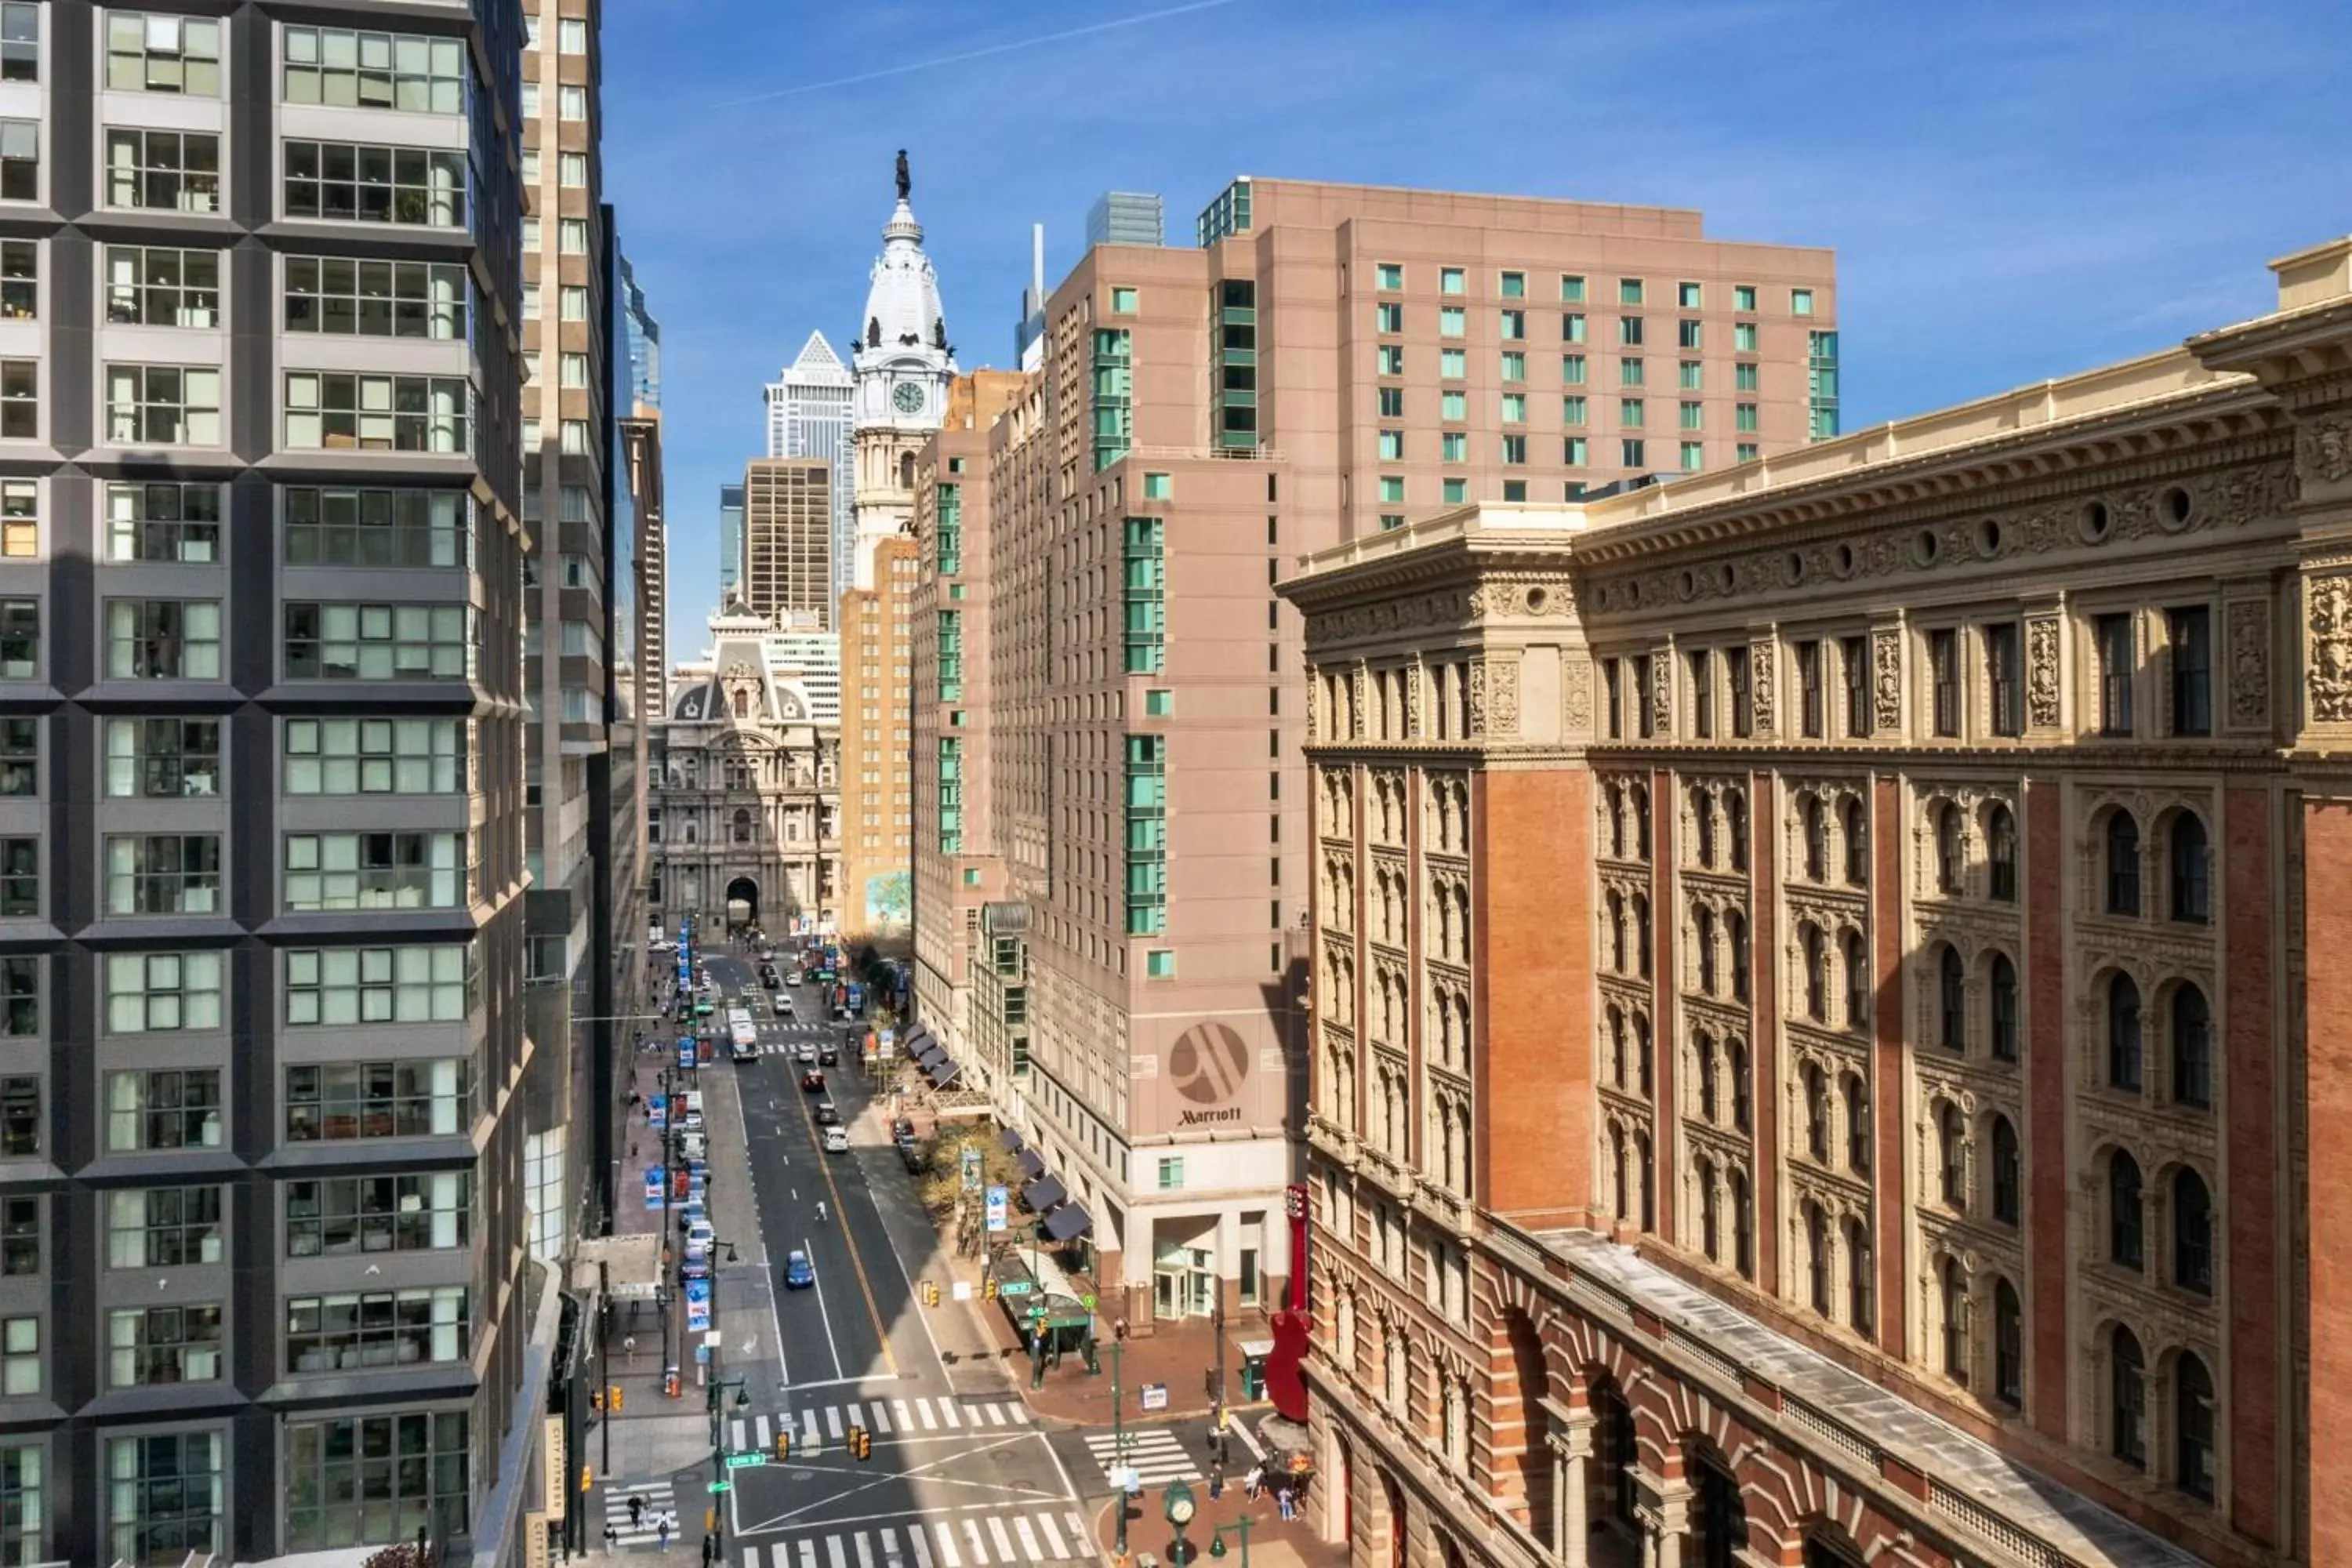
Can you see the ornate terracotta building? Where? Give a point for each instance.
(1814, 1060)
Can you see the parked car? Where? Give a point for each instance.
(812, 1082)
(826, 1115)
(806, 1055)
(836, 1140)
(902, 1130)
(792, 977)
(799, 1272)
(828, 1056)
(698, 1237)
(910, 1154)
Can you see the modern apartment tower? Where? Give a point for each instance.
(1144, 790)
(1823, 999)
(1126, 218)
(809, 415)
(787, 538)
(265, 1080)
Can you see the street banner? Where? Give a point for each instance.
(653, 1188)
(697, 1306)
(686, 1057)
(970, 1170)
(657, 1112)
(996, 1208)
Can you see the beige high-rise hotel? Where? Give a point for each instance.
(788, 537)
(1111, 824)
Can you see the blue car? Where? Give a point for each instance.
(799, 1272)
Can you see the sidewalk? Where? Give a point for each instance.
(1274, 1541)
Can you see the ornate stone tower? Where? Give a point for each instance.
(903, 364)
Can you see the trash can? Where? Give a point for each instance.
(1253, 1379)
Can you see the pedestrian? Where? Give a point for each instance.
(1216, 1478)
(612, 1539)
(1251, 1482)
(1282, 1499)
(663, 1531)
(636, 1513)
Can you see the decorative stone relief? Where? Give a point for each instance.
(1760, 661)
(2250, 663)
(1503, 698)
(1886, 680)
(2324, 450)
(2042, 673)
(1412, 680)
(1356, 705)
(1390, 616)
(1314, 689)
(1662, 693)
(2327, 664)
(1576, 694)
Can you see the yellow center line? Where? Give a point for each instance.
(841, 1217)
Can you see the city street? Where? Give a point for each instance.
(958, 1476)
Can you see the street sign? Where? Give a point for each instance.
(739, 1461)
(722, 1485)
(1015, 1287)
(1154, 1395)
(996, 1208)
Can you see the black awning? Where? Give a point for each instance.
(1009, 1140)
(931, 1055)
(944, 1074)
(1070, 1220)
(1043, 1193)
(1031, 1166)
(907, 1041)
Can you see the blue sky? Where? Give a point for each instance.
(2013, 190)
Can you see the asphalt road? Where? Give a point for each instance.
(956, 1479)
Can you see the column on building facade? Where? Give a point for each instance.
(1570, 1442)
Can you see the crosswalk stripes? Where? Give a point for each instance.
(1157, 1454)
(660, 1499)
(911, 1416)
(992, 1540)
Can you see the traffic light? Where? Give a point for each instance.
(783, 1447)
(988, 1289)
(930, 1293)
(613, 1398)
(587, 1477)
(596, 1399)
(861, 1443)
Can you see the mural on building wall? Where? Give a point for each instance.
(889, 898)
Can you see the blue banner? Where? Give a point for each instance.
(686, 1051)
(654, 1199)
(698, 1305)
(996, 1208)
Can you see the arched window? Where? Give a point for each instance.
(2192, 1421)
(1949, 858)
(2124, 1211)
(1703, 816)
(2122, 864)
(1951, 1000)
(1616, 1047)
(1642, 1048)
(1860, 1299)
(1735, 826)
(1857, 1124)
(1617, 1165)
(1735, 1059)
(2126, 1398)
(741, 829)
(2192, 1047)
(742, 705)
(2002, 994)
(1951, 1156)
(1855, 822)
(1641, 935)
(1817, 1004)
(1816, 1256)
(2000, 854)
(1857, 980)
(1641, 822)
(1708, 1218)
(2008, 1345)
(689, 830)
(1743, 1225)
(1616, 934)
(1955, 1327)
(1817, 841)
(1817, 1114)
(1734, 936)
(2008, 1173)
(1617, 824)
(906, 470)
(1649, 1181)
(1703, 940)
(2122, 1033)
(2187, 854)
(1703, 1048)
(2192, 1233)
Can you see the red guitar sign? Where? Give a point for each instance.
(1294, 1326)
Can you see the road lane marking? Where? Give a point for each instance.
(1053, 1535)
(921, 1541)
(808, 1555)
(857, 1414)
(881, 1417)
(923, 1408)
(865, 1553)
(833, 1422)
(808, 1427)
(1028, 1536)
(834, 1552)
(899, 1408)
(735, 1431)
(1003, 1542)
(824, 1311)
(948, 1552)
(948, 1413)
(856, 1258)
(972, 1535)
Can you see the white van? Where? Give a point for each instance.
(690, 1115)
(693, 1146)
(836, 1140)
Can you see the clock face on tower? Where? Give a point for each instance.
(909, 397)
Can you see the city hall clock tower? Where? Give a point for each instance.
(903, 364)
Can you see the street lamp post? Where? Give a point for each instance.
(1118, 1439)
(1217, 1539)
(714, 1403)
